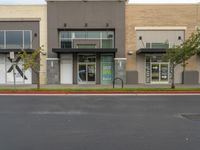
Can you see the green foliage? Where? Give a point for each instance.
(31, 60)
(182, 53)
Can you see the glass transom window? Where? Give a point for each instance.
(15, 39)
(86, 39)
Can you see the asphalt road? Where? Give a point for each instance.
(99, 123)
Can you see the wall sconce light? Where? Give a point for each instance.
(130, 52)
(107, 24)
(35, 35)
(140, 38)
(86, 24)
(65, 25)
(179, 38)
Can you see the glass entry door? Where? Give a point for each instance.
(155, 71)
(91, 69)
(159, 72)
(87, 69)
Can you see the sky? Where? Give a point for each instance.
(131, 1)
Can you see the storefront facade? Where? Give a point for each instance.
(94, 42)
(21, 27)
(84, 48)
(15, 36)
(150, 31)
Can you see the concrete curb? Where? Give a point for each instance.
(101, 93)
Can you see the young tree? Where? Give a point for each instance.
(182, 53)
(32, 61)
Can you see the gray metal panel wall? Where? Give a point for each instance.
(95, 14)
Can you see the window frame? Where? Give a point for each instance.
(23, 31)
(72, 32)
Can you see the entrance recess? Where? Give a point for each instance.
(159, 72)
(86, 69)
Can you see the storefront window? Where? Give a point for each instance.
(15, 39)
(157, 69)
(1, 39)
(107, 69)
(86, 46)
(65, 43)
(107, 43)
(157, 45)
(27, 39)
(70, 39)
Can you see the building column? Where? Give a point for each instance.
(53, 71)
(120, 69)
(75, 68)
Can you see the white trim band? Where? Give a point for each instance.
(53, 59)
(161, 28)
(120, 58)
(20, 19)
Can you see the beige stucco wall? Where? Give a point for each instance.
(30, 12)
(158, 15)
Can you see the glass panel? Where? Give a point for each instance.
(160, 45)
(107, 34)
(105, 38)
(93, 34)
(14, 39)
(1, 39)
(107, 58)
(82, 58)
(91, 58)
(91, 72)
(148, 72)
(82, 73)
(107, 43)
(148, 58)
(86, 45)
(65, 34)
(27, 39)
(156, 58)
(87, 58)
(155, 73)
(80, 34)
(66, 43)
(164, 73)
(148, 45)
(106, 69)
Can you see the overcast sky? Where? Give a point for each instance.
(131, 1)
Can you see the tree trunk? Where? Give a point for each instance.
(172, 84)
(38, 80)
(184, 66)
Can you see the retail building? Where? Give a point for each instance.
(96, 41)
(21, 27)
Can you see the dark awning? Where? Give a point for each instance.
(151, 50)
(84, 50)
(5, 51)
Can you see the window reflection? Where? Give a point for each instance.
(1, 39)
(69, 39)
(15, 39)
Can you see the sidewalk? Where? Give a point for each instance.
(82, 86)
